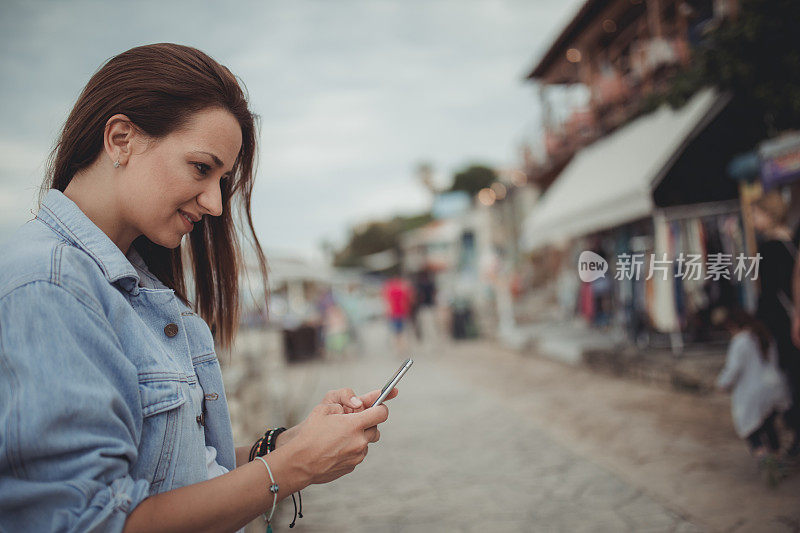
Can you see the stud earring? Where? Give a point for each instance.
(116, 164)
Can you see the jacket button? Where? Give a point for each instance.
(170, 330)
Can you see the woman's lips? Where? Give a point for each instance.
(186, 222)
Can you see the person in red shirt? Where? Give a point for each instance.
(398, 296)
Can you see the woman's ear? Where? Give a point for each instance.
(118, 138)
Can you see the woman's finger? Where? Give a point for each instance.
(370, 397)
(344, 397)
(373, 434)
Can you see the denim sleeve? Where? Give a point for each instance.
(70, 415)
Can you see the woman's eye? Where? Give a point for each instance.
(202, 168)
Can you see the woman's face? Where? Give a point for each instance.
(177, 177)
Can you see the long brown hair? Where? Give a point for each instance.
(739, 319)
(159, 87)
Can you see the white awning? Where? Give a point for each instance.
(610, 182)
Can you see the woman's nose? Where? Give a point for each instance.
(211, 200)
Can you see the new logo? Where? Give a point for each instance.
(591, 266)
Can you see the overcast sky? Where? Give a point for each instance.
(352, 95)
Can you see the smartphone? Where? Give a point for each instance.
(393, 381)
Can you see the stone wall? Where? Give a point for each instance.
(254, 374)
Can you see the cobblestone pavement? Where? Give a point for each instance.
(680, 448)
(454, 456)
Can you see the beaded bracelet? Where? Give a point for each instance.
(272, 438)
(273, 488)
(265, 445)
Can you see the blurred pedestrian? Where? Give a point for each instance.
(333, 326)
(775, 306)
(398, 297)
(423, 312)
(337, 336)
(352, 302)
(759, 391)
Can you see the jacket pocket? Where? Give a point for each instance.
(162, 395)
(159, 395)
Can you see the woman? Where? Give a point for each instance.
(775, 305)
(112, 407)
(759, 391)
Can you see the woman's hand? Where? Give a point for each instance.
(331, 443)
(352, 403)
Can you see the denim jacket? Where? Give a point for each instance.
(110, 387)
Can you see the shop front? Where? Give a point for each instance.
(653, 200)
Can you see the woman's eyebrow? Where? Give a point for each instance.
(217, 160)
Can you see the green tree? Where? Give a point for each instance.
(473, 179)
(756, 57)
(377, 236)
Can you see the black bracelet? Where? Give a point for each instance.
(254, 448)
(265, 445)
(272, 438)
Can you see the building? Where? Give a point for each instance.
(625, 180)
(618, 52)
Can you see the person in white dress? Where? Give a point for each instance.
(759, 390)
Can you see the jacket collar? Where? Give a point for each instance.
(67, 219)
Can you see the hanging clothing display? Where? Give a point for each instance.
(587, 301)
(663, 310)
(693, 244)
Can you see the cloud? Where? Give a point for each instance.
(17, 205)
(351, 95)
(21, 171)
(21, 160)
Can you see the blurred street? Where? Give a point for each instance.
(580, 218)
(486, 439)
